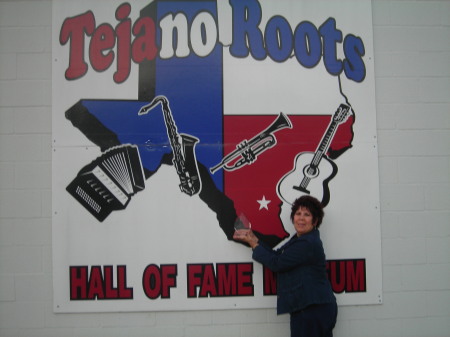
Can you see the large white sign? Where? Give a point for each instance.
(171, 119)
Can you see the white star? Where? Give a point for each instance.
(263, 203)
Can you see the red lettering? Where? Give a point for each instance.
(208, 285)
(347, 275)
(152, 281)
(169, 279)
(230, 279)
(98, 283)
(356, 280)
(74, 29)
(123, 31)
(269, 282)
(157, 281)
(245, 281)
(226, 274)
(144, 46)
(194, 279)
(338, 276)
(103, 40)
(78, 282)
(110, 291)
(124, 291)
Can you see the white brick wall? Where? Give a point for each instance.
(412, 55)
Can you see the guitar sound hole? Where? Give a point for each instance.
(311, 171)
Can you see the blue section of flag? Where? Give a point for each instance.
(121, 117)
(194, 87)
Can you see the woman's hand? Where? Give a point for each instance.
(246, 235)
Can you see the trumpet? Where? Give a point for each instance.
(247, 151)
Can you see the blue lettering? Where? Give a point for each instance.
(331, 36)
(354, 67)
(307, 46)
(278, 37)
(246, 18)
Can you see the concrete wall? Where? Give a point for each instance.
(412, 60)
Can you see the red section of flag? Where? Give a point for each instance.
(253, 187)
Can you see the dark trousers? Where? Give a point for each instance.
(314, 321)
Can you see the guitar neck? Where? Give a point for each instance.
(325, 143)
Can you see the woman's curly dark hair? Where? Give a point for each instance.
(312, 204)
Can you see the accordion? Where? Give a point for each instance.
(108, 182)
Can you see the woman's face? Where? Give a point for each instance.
(303, 221)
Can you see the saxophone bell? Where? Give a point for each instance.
(190, 182)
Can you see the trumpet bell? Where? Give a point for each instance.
(281, 122)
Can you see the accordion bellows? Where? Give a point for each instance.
(108, 183)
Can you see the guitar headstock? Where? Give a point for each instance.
(341, 113)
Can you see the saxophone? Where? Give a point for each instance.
(183, 151)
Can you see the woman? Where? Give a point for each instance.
(302, 285)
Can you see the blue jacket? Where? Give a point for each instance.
(301, 272)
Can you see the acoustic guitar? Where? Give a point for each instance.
(313, 170)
